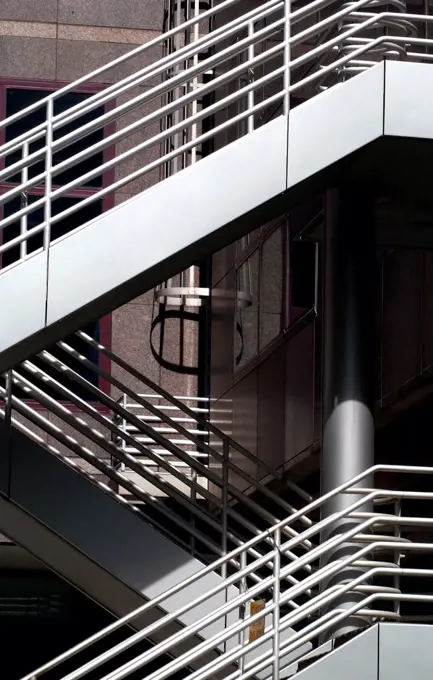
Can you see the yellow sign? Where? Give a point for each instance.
(257, 629)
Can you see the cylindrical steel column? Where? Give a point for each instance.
(348, 362)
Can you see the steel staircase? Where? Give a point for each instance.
(145, 479)
(384, 588)
(255, 59)
(245, 588)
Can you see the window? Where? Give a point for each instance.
(302, 276)
(15, 96)
(275, 282)
(259, 282)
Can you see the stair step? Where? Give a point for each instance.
(164, 452)
(167, 430)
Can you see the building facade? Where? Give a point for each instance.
(291, 354)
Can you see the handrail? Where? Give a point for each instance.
(304, 611)
(160, 439)
(349, 40)
(181, 54)
(185, 409)
(64, 413)
(225, 609)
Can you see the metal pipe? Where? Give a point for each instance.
(23, 204)
(48, 176)
(287, 36)
(276, 612)
(348, 355)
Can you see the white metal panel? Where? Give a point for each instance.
(330, 126)
(167, 218)
(356, 660)
(408, 100)
(405, 651)
(65, 560)
(22, 300)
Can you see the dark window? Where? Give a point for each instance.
(19, 98)
(58, 229)
(13, 98)
(303, 273)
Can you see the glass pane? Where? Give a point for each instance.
(247, 240)
(247, 310)
(20, 98)
(271, 288)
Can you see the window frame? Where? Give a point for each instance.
(290, 314)
(108, 202)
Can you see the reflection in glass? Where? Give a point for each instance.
(247, 316)
(271, 288)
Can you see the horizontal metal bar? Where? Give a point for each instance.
(22, 237)
(120, 60)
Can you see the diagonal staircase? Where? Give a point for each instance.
(230, 89)
(96, 489)
(387, 588)
(93, 515)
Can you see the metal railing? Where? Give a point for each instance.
(141, 463)
(201, 407)
(262, 58)
(380, 548)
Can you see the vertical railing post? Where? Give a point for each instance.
(48, 173)
(24, 202)
(194, 85)
(397, 554)
(243, 608)
(192, 545)
(225, 502)
(276, 611)
(286, 85)
(8, 428)
(251, 93)
(176, 118)
(124, 425)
